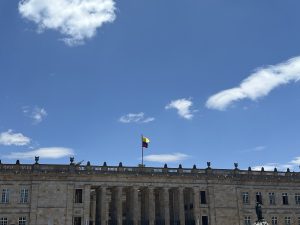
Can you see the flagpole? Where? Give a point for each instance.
(142, 153)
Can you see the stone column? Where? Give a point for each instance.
(166, 206)
(103, 206)
(151, 208)
(181, 206)
(87, 204)
(33, 194)
(196, 204)
(70, 204)
(119, 204)
(136, 211)
(93, 208)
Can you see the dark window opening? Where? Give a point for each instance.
(77, 220)
(78, 196)
(191, 206)
(259, 197)
(285, 200)
(204, 220)
(203, 197)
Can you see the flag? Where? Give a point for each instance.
(145, 142)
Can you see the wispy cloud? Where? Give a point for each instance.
(165, 158)
(258, 84)
(36, 113)
(49, 153)
(293, 164)
(136, 118)
(11, 138)
(183, 107)
(255, 149)
(76, 20)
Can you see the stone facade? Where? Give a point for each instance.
(116, 195)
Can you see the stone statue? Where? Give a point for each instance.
(258, 212)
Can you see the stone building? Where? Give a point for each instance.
(72, 194)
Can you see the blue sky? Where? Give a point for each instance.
(203, 80)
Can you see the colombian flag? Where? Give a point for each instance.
(145, 142)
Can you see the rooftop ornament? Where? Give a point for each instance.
(72, 160)
(249, 168)
(18, 162)
(120, 164)
(236, 165)
(36, 159)
(180, 166)
(208, 165)
(275, 169)
(88, 163)
(165, 166)
(194, 167)
(104, 164)
(262, 169)
(288, 170)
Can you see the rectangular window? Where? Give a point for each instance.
(78, 196)
(285, 200)
(287, 220)
(22, 220)
(247, 220)
(274, 220)
(203, 197)
(77, 220)
(245, 196)
(298, 220)
(272, 198)
(3, 221)
(204, 220)
(297, 198)
(24, 195)
(259, 197)
(5, 196)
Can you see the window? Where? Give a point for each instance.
(22, 220)
(77, 220)
(287, 220)
(297, 198)
(274, 220)
(272, 198)
(78, 196)
(245, 196)
(5, 196)
(247, 220)
(259, 197)
(204, 220)
(3, 221)
(24, 196)
(298, 220)
(285, 200)
(202, 197)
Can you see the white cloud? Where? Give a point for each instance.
(36, 113)
(183, 107)
(293, 164)
(165, 158)
(258, 84)
(50, 153)
(77, 20)
(136, 118)
(255, 149)
(11, 138)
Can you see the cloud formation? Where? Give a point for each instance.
(183, 107)
(37, 114)
(49, 153)
(292, 165)
(11, 138)
(136, 118)
(77, 20)
(165, 158)
(258, 84)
